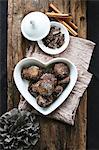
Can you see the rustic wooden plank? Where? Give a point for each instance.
(54, 135)
(66, 6)
(14, 52)
(9, 52)
(78, 11)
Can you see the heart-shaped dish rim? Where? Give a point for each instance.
(22, 84)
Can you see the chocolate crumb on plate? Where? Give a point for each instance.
(55, 38)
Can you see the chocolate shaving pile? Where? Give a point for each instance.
(19, 130)
(55, 38)
(47, 85)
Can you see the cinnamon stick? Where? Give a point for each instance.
(58, 11)
(73, 32)
(62, 16)
(72, 24)
(67, 19)
(58, 15)
(54, 8)
(67, 26)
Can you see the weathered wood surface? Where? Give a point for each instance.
(54, 135)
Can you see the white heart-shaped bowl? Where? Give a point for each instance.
(22, 84)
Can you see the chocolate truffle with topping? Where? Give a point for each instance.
(31, 73)
(64, 81)
(45, 86)
(44, 102)
(57, 91)
(61, 70)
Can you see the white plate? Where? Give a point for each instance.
(63, 47)
(22, 85)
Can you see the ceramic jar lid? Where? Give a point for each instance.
(35, 26)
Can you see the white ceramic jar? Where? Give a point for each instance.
(35, 26)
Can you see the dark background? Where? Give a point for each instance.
(93, 94)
